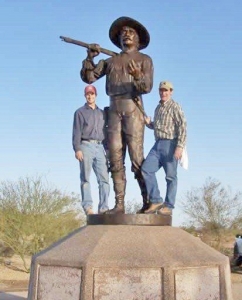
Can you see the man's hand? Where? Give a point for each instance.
(147, 120)
(93, 51)
(79, 155)
(134, 69)
(178, 153)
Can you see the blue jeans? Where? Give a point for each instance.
(161, 155)
(94, 158)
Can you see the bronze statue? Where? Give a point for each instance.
(129, 74)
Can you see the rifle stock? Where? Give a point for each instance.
(86, 45)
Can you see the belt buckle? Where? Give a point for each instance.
(95, 141)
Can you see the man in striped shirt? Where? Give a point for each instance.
(170, 134)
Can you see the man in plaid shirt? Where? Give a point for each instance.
(169, 127)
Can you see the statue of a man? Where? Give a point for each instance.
(128, 75)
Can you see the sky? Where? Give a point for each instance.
(197, 45)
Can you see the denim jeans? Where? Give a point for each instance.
(94, 158)
(161, 155)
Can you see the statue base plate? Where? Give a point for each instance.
(130, 219)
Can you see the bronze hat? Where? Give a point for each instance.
(144, 37)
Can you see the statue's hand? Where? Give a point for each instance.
(134, 69)
(93, 50)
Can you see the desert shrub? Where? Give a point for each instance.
(34, 214)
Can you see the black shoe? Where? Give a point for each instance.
(143, 208)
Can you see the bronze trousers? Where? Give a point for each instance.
(125, 131)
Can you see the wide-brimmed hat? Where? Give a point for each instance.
(114, 31)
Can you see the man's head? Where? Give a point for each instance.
(121, 30)
(165, 90)
(129, 38)
(90, 94)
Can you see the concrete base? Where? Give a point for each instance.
(109, 262)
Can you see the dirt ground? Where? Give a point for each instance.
(12, 274)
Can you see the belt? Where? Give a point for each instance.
(123, 96)
(92, 141)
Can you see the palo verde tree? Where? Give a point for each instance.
(131, 207)
(213, 207)
(34, 214)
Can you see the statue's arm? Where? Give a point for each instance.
(144, 82)
(90, 72)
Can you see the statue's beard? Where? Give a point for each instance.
(129, 43)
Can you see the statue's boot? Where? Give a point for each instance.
(142, 186)
(119, 186)
(118, 208)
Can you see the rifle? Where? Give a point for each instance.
(105, 51)
(140, 107)
(86, 45)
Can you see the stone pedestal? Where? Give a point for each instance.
(129, 262)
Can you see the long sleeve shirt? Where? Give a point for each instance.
(169, 122)
(118, 80)
(88, 124)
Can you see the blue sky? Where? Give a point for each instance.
(195, 44)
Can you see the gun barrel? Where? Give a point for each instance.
(86, 45)
(140, 107)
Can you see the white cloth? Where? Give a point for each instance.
(184, 159)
